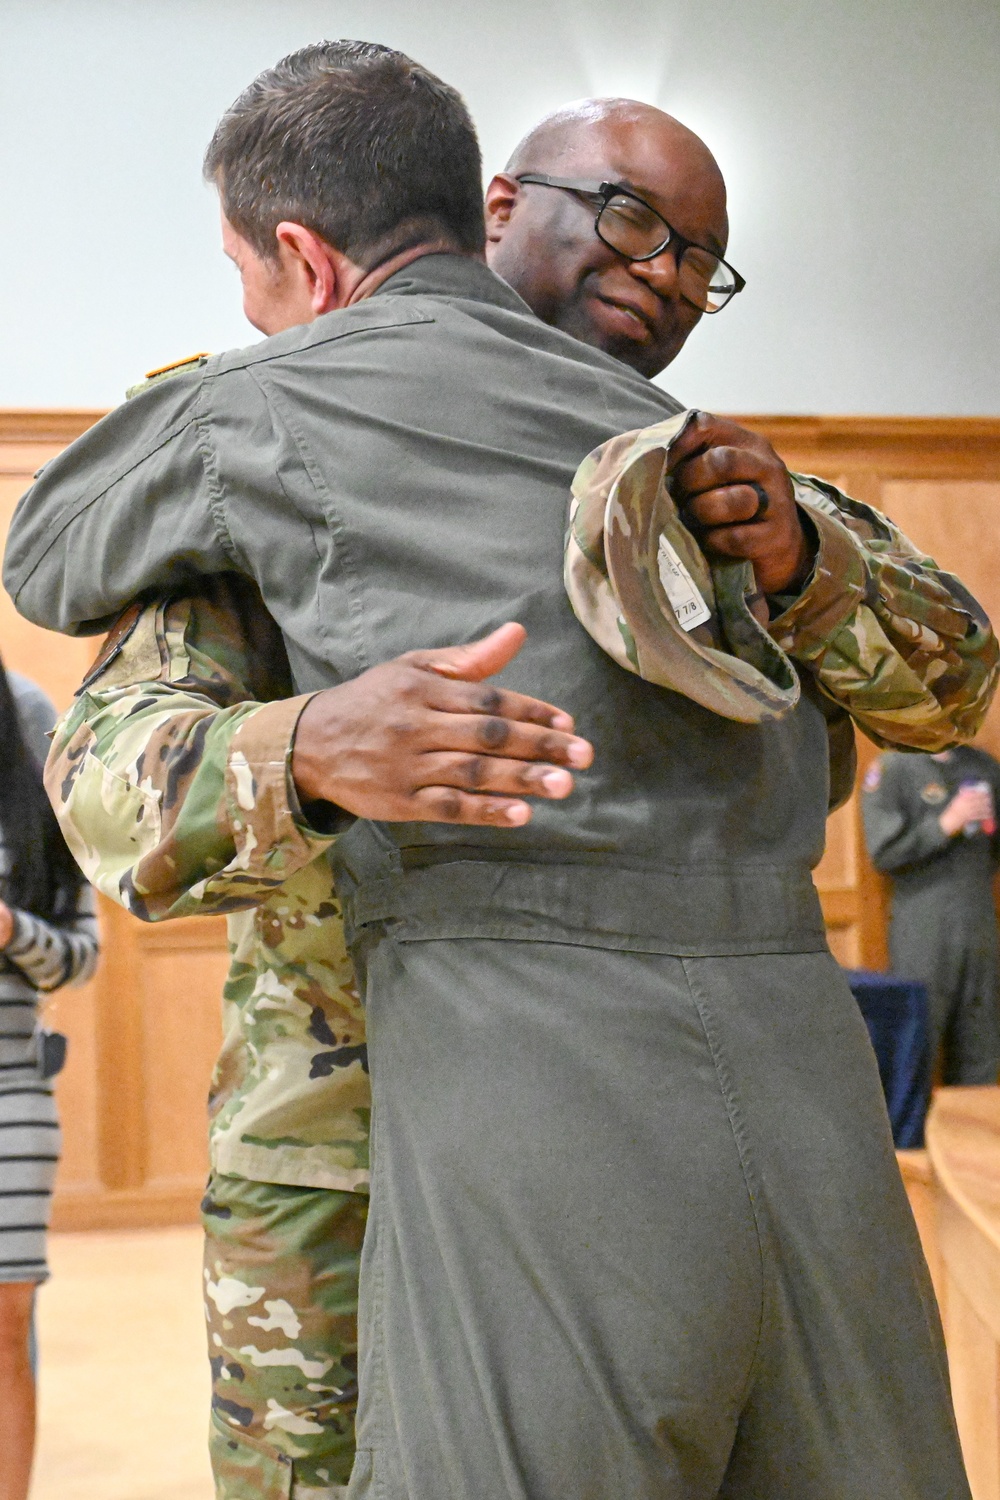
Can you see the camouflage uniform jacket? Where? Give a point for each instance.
(170, 776)
(175, 794)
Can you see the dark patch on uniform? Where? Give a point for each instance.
(236, 1372)
(181, 762)
(75, 761)
(241, 1414)
(319, 1027)
(871, 595)
(140, 705)
(131, 900)
(323, 1063)
(327, 909)
(216, 1364)
(217, 1211)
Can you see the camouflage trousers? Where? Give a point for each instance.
(281, 1298)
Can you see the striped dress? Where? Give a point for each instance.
(41, 956)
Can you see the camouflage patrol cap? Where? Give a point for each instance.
(642, 587)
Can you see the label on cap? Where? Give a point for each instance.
(680, 588)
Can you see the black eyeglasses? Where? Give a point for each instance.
(632, 227)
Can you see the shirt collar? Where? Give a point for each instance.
(446, 275)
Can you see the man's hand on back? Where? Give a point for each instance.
(423, 739)
(735, 492)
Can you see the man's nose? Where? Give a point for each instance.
(660, 273)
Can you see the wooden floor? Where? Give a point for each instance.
(123, 1376)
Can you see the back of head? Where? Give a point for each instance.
(358, 143)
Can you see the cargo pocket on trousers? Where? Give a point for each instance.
(245, 1468)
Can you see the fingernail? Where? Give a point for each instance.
(518, 814)
(578, 753)
(557, 783)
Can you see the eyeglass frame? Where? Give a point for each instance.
(604, 192)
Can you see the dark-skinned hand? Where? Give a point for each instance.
(715, 465)
(422, 738)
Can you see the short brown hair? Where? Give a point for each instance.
(358, 143)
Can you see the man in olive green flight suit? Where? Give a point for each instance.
(930, 823)
(672, 1298)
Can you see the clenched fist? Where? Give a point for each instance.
(735, 493)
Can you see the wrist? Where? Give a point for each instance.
(804, 561)
(308, 763)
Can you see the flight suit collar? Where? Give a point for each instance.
(459, 276)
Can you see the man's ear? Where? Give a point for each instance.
(501, 197)
(326, 276)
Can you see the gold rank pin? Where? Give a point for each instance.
(178, 364)
(164, 372)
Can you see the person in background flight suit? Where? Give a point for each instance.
(205, 704)
(931, 823)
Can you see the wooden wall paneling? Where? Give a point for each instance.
(144, 1033)
(121, 1079)
(939, 480)
(958, 523)
(184, 967)
(836, 879)
(74, 1012)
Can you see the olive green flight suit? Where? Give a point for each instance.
(944, 923)
(636, 1226)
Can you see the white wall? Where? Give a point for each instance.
(860, 139)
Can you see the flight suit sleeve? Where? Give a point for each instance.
(126, 490)
(169, 775)
(888, 635)
(900, 830)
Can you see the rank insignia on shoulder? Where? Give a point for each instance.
(178, 364)
(873, 777)
(934, 793)
(164, 372)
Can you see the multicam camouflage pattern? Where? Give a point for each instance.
(281, 1294)
(889, 637)
(176, 800)
(621, 520)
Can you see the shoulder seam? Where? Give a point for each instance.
(257, 354)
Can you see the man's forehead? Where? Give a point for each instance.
(646, 154)
(657, 158)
